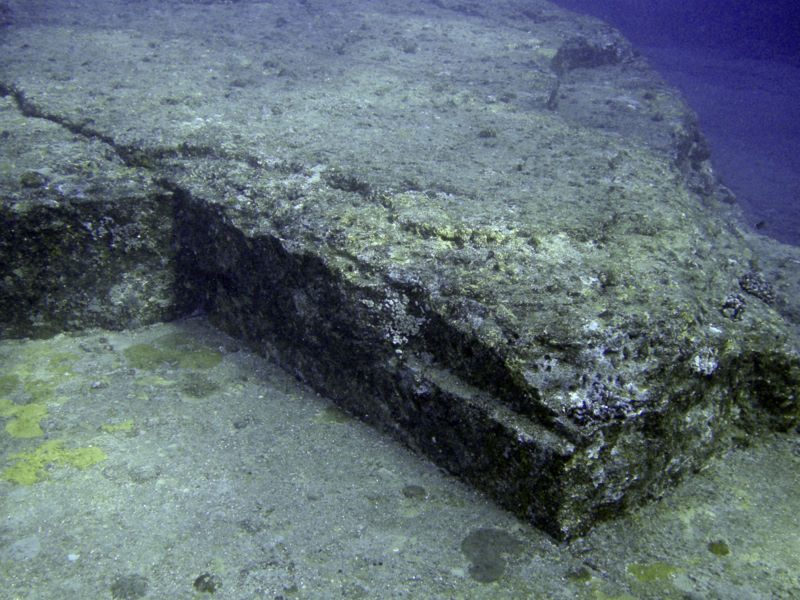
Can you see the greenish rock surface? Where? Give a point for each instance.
(497, 237)
(29, 467)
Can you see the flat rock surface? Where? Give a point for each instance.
(498, 237)
(215, 461)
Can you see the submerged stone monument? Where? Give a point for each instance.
(495, 235)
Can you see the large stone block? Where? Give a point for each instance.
(497, 237)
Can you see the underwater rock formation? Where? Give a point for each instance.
(549, 297)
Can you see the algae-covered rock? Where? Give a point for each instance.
(496, 236)
(31, 466)
(87, 244)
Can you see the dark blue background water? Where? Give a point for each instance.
(738, 65)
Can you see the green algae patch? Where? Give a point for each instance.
(25, 418)
(200, 358)
(35, 373)
(40, 390)
(8, 383)
(31, 466)
(580, 575)
(113, 428)
(60, 360)
(145, 356)
(653, 572)
(185, 355)
(719, 548)
(331, 414)
(153, 381)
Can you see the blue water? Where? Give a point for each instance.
(737, 63)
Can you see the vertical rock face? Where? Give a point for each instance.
(85, 240)
(497, 238)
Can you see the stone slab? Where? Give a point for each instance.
(498, 237)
